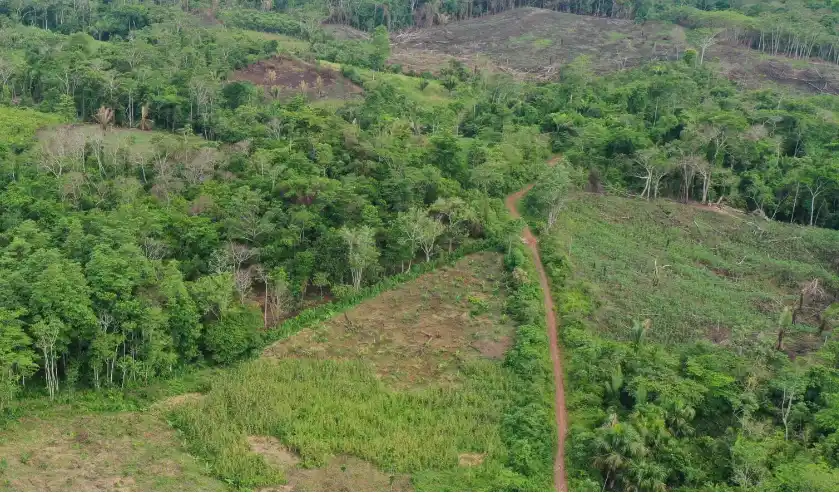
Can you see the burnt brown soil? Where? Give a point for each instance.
(561, 414)
(539, 43)
(283, 76)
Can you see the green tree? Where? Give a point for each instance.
(17, 360)
(361, 251)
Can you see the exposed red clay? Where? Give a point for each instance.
(560, 481)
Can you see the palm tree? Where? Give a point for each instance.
(614, 385)
(679, 416)
(645, 476)
(616, 444)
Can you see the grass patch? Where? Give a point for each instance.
(285, 43)
(396, 383)
(433, 94)
(137, 140)
(694, 273)
(105, 452)
(18, 127)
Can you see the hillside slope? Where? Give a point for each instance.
(538, 42)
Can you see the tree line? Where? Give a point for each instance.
(191, 212)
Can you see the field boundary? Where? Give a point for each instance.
(328, 310)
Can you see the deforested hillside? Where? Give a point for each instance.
(539, 43)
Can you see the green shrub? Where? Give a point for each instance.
(234, 336)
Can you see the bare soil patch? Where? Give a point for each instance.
(282, 76)
(344, 32)
(539, 41)
(470, 459)
(420, 332)
(274, 452)
(494, 349)
(345, 473)
(176, 401)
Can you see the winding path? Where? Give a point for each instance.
(560, 481)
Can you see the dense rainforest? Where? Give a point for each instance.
(157, 214)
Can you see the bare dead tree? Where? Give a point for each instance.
(104, 117)
(201, 166)
(62, 150)
(243, 283)
(145, 122)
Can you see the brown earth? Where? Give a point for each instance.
(537, 43)
(342, 473)
(561, 414)
(102, 452)
(282, 76)
(274, 452)
(420, 332)
(470, 459)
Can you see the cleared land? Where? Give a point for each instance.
(534, 42)
(282, 77)
(404, 391)
(101, 452)
(538, 41)
(697, 272)
(418, 334)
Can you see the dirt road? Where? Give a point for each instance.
(560, 481)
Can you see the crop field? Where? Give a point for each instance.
(405, 391)
(697, 272)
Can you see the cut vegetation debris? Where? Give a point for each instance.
(531, 42)
(285, 77)
(540, 41)
(103, 452)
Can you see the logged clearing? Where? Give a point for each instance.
(103, 452)
(342, 31)
(537, 42)
(283, 77)
(419, 333)
(405, 391)
(697, 272)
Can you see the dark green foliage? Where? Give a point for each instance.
(529, 430)
(235, 336)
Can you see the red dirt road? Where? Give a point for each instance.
(560, 481)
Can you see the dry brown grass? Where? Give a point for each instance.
(421, 332)
(105, 452)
